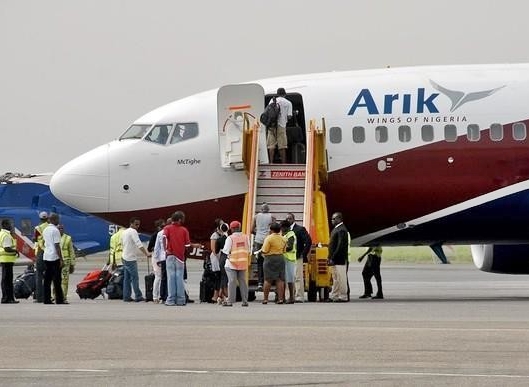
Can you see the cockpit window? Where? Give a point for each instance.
(184, 131)
(135, 132)
(159, 134)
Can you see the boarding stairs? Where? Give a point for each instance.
(282, 186)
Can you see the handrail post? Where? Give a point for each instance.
(252, 179)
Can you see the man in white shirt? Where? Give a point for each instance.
(52, 261)
(278, 136)
(132, 250)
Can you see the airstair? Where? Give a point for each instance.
(294, 188)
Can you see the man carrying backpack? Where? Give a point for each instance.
(277, 132)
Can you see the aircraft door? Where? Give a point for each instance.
(238, 107)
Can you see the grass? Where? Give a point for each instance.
(420, 254)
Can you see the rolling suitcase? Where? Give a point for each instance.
(91, 286)
(149, 282)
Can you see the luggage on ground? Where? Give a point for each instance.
(207, 283)
(93, 283)
(114, 288)
(149, 283)
(24, 284)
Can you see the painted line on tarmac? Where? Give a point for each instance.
(50, 370)
(350, 373)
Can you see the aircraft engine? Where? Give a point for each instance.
(503, 259)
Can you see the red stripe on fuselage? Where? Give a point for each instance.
(422, 180)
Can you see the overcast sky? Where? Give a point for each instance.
(75, 74)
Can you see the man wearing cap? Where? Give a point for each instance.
(278, 136)
(39, 262)
(237, 249)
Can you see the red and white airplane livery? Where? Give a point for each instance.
(419, 155)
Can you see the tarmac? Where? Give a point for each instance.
(439, 325)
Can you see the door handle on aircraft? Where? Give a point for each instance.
(124, 164)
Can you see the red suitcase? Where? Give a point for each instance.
(93, 283)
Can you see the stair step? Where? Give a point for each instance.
(294, 199)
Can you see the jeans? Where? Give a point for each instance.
(234, 277)
(130, 276)
(175, 281)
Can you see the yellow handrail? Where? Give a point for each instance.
(251, 170)
(309, 177)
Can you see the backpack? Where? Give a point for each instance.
(271, 114)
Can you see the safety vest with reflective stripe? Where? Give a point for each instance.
(39, 245)
(239, 251)
(67, 248)
(290, 255)
(116, 247)
(5, 256)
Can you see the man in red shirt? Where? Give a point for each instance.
(176, 241)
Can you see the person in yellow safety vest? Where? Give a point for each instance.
(290, 259)
(39, 257)
(237, 249)
(116, 249)
(8, 256)
(372, 268)
(68, 259)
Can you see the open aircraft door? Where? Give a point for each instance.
(238, 109)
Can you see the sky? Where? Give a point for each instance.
(75, 74)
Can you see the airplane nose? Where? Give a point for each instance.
(83, 182)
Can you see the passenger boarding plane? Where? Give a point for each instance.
(419, 155)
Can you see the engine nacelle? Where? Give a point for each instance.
(504, 259)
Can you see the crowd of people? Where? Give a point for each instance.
(280, 250)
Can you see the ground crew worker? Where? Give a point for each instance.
(39, 254)
(290, 259)
(115, 253)
(237, 249)
(372, 268)
(8, 255)
(68, 259)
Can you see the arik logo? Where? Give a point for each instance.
(420, 102)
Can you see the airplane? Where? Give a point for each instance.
(24, 196)
(424, 155)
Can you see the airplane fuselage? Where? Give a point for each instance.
(415, 155)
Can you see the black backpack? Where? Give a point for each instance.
(271, 114)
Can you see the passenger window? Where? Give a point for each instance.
(427, 133)
(359, 134)
(381, 134)
(450, 133)
(404, 133)
(159, 134)
(519, 131)
(473, 133)
(184, 131)
(135, 132)
(335, 135)
(496, 132)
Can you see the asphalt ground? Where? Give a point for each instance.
(439, 325)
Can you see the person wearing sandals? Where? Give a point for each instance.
(274, 263)
(290, 259)
(237, 249)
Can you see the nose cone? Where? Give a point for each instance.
(83, 182)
